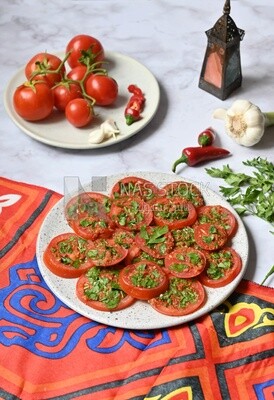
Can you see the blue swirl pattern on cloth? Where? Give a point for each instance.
(34, 318)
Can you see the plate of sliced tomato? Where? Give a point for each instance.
(148, 252)
(56, 131)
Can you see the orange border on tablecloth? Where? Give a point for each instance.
(254, 289)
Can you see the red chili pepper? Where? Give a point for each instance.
(194, 155)
(135, 90)
(206, 138)
(135, 105)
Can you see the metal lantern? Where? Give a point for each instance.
(221, 71)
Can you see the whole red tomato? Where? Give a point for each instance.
(77, 73)
(64, 92)
(79, 112)
(102, 88)
(86, 43)
(33, 101)
(42, 62)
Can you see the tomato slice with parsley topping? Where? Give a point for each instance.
(174, 213)
(132, 186)
(131, 213)
(88, 215)
(105, 252)
(222, 267)
(155, 240)
(143, 280)
(218, 215)
(184, 190)
(185, 262)
(67, 256)
(99, 288)
(184, 296)
(209, 236)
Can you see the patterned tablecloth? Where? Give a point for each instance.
(47, 351)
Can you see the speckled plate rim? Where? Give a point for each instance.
(58, 132)
(140, 315)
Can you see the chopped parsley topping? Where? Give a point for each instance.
(103, 286)
(131, 215)
(171, 211)
(145, 276)
(180, 294)
(211, 237)
(66, 250)
(184, 236)
(156, 234)
(220, 263)
(155, 238)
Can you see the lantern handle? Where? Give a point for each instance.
(226, 9)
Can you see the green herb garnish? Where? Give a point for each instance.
(104, 287)
(250, 194)
(157, 235)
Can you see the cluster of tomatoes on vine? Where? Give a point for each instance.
(75, 92)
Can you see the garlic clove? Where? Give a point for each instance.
(240, 107)
(253, 118)
(96, 136)
(253, 136)
(107, 130)
(219, 113)
(109, 127)
(231, 113)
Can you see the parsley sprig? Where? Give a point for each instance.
(250, 194)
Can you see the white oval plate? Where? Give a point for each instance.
(57, 131)
(140, 315)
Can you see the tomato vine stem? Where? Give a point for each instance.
(43, 68)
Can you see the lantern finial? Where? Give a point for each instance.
(226, 9)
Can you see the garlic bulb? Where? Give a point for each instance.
(107, 130)
(244, 122)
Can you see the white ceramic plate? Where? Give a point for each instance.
(57, 131)
(140, 315)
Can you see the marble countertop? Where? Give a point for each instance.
(168, 37)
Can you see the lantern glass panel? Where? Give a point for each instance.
(214, 65)
(233, 69)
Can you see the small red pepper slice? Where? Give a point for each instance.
(195, 155)
(135, 104)
(135, 90)
(206, 137)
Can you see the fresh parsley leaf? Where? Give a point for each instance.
(229, 191)
(219, 173)
(155, 236)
